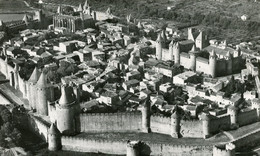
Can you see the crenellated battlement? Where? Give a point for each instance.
(120, 146)
(112, 114)
(226, 150)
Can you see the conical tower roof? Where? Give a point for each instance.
(200, 35)
(193, 48)
(26, 19)
(229, 55)
(108, 11)
(1, 22)
(213, 53)
(139, 25)
(42, 82)
(225, 42)
(16, 67)
(238, 48)
(177, 45)
(53, 130)
(67, 95)
(6, 59)
(35, 76)
(171, 43)
(159, 38)
(163, 35)
(175, 112)
(86, 5)
(80, 8)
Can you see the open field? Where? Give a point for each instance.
(13, 6)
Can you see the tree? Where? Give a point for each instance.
(16, 136)
(3, 142)
(6, 115)
(7, 128)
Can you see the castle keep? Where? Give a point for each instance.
(222, 60)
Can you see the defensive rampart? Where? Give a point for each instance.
(108, 122)
(119, 147)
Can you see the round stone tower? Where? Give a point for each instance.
(213, 63)
(54, 138)
(42, 95)
(66, 111)
(2, 27)
(16, 73)
(133, 148)
(233, 112)
(171, 50)
(193, 56)
(159, 47)
(205, 125)
(31, 88)
(6, 68)
(77, 93)
(4, 50)
(175, 123)
(146, 116)
(238, 50)
(229, 58)
(39, 15)
(176, 51)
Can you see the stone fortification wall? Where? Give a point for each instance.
(247, 117)
(106, 122)
(119, 147)
(219, 123)
(191, 128)
(161, 124)
(250, 139)
(34, 124)
(38, 126)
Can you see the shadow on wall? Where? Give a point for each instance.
(145, 150)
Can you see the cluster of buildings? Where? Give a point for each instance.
(31, 20)
(104, 69)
